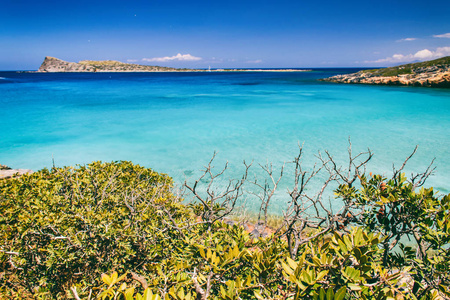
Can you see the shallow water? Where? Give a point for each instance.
(173, 122)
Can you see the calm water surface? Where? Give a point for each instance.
(173, 122)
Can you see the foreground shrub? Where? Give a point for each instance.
(70, 232)
(346, 266)
(400, 213)
(67, 225)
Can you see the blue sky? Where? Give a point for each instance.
(200, 33)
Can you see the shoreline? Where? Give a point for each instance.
(176, 71)
(434, 74)
(56, 65)
(7, 172)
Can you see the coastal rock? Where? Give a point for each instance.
(52, 65)
(8, 173)
(3, 167)
(434, 73)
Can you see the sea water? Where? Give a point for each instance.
(175, 122)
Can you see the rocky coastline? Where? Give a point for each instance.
(56, 65)
(434, 73)
(6, 172)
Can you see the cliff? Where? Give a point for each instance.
(434, 73)
(52, 64)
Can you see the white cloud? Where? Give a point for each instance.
(179, 57)
(442, 51)
(424, 54)
(257, 61)
(407, 40)
(132, 60)
(421, 55)
(445, 35)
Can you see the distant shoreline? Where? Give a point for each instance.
(55, 65)
(260, 70)
(178, 71)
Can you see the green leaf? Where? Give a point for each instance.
(340, 294)
(292, 263)
(322, 294)
(342, 246)
(330, 294)
(286, 268)
(107, 279)
(202, 252)
(129, 293)
(321, 275)
(354, 287)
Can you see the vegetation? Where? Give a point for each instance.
(117, 65)
(70, 232)
(409, 68)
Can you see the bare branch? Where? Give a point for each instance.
(74, 293)
(140, 279)
(216, 205)
(397, 172)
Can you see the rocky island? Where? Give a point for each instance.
(434, 73)
(53, 65)
(56, 65)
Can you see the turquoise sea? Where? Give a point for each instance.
(173, 122)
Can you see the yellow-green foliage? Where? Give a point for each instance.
(346, 266)
(409, 68)
(70, 232)
(397, 210)
(67, 225)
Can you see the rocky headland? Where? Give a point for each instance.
(434, 73)
(54, 65)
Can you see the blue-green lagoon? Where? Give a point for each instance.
(173, 122)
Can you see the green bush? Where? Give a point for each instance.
(399, 212)
(69, 232)
(69, 225)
